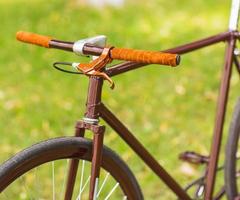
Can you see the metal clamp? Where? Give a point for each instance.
(99, 40)
(90, 120)
(236, 52)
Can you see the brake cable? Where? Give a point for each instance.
(57, 65)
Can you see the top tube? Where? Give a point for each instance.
(234, 15)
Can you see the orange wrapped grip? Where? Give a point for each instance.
(33, 38)
(148, 57)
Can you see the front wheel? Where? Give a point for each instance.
(232, 162)
(40, 172)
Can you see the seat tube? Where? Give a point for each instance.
(219, 120)
(234, 15)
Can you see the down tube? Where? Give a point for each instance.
(139, 149)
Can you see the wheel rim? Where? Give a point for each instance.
(48, 181)
(72, 148)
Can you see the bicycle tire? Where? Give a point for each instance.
(72, 148)
(231, 154)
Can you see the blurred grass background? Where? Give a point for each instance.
(169, 110)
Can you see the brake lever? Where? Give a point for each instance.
(95, 67)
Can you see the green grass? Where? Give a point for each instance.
(169, 110)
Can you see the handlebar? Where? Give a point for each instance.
(141, 56)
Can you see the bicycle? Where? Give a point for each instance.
(124, 184)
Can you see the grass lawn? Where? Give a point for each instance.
(169, 110)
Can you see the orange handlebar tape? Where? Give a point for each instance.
(33, 38)
(148, 57)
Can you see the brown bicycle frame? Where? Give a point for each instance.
(95, 109)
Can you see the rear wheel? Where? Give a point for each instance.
(40, 172)
(232, 162)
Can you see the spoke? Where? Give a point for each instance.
(64, 180)
(79, 195)
(37, 183)
(95, 189)
(85, 184)
(200, 191)
(110, 193)
(25, 188)
(6, 197)
(104, 181)
(53, 180)
(81, 180)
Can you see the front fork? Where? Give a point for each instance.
(73, 167)
(97, 147)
